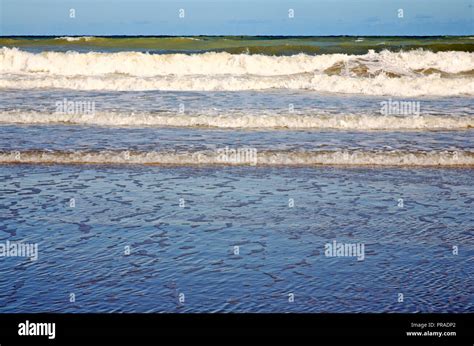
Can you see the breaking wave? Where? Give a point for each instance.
(76, 38)
(355, 122)
(13, 60)
(412, 73)
(260, 158)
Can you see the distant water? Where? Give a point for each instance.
(371, 138)
(267, 45)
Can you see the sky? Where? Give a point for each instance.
(237, 17)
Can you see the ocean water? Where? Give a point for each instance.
(190, 250)
(209, 174)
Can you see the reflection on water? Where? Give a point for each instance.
(139, 239)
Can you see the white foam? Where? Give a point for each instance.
(13, 60)
(291, 121)
(73, 39)
(381, 85)
(263, 158)
(224, 71)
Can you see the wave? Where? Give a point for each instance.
(245, 157)
(385, 73)
(76, 38)
(13, 60)
(110, 41)
(378, 86)
(357, 122)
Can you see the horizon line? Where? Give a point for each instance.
(223, 35)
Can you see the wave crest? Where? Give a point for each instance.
(413, 73)
(13, 60)
(378, 86)
(261, 158)
(357, 122)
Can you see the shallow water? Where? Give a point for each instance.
(190, 250)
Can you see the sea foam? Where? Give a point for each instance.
(262, 158)
(315, 121)
(413, 73)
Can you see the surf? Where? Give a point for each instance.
(385, 73)
(315, 121)
(262, 158)
(13, 60)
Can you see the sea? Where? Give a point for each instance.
(236, 174)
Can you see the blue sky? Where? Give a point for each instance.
(236, 17)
